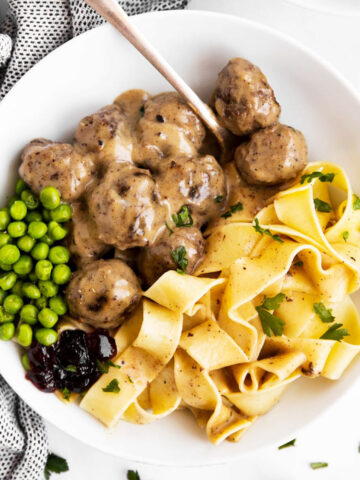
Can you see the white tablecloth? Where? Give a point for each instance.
(334, 438)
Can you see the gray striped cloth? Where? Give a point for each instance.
(29, 30)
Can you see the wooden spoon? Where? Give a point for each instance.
(111, 11)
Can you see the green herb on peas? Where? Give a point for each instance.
(183, 218)
(112, 387)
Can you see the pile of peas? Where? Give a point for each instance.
(33, 267)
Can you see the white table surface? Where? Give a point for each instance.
(334, 438)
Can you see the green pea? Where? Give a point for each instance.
(56, 231)
(13, 304)
(17, 288)
(43, 269)
(62, 213)
(4, 218)
(18, 210)
(4, 239)
(40, 251)
(46, 336)
(8, 280)
(61, 274)
(7, 331)
(50, 198)
(33, 216)
(29, 314)
(23, 266)
(16, 229)
(41, 303)
(25, 362)
(46, 215)
(5, 267)
(26, 243)
(30, 199)
(24, 335)
(11, 200)
(58, 305)
(9, 254)
(32, 277)
(30, 290)
(48, 289)
(5, 316)
(2, 295)
(20, 186)
(47, 239)
(37, 229)
(59, 255)
(48, 318)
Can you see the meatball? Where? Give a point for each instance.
(194, 182)
(156, 260)
(46, 163)
(273, 155)
(168, 127)
(243, 99)
(82, 239)
(103, 293)
(126, 207)
(106, 132)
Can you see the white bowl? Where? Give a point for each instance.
(336, 7)
(87, 73)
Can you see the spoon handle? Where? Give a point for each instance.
(111, 11)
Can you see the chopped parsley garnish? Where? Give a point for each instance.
(171, 231)
(299, 264)
(356, 202)
(271, 324)
(324, 313)
(71, 368)
(66, 393)
(266, 231)
(142, 110)
(183, 218)
(55, 464)
(345, 235)
(322, 206)
(309, 177)
(335, 333)
(219, 198)
(133, 475)
(288, 444)
(316, 465)
(179, 257)
(233, 208)
(112, 387)
(103, 367)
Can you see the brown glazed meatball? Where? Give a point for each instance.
(106, 132)
(193, 182)
(156, 260)
(46, 163)
(273, 155)
(126, 207)
(103, 294)
(82, 239)
(168, 127)
(243, 99)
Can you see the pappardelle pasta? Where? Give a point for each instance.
(268, 304)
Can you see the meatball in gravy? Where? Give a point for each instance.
(126, 208)
(103, 294)
(273, 156)
(156, 260)
(243, 98)
(45, 163)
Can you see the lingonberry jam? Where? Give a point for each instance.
(70, 363)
